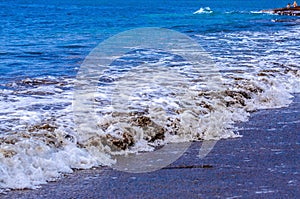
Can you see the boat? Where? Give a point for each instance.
(292, 11)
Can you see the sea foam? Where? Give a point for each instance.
(39, 140)
(205, 10)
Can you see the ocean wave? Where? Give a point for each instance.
(259, 12)
(39, 140)
(205, 10)
(245, 12)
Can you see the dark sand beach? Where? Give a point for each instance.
(264, 163)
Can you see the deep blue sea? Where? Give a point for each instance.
(44, 43)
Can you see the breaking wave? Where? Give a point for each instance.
(205, 10)
(38, 137)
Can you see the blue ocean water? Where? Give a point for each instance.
(52, 38)
(43, 44)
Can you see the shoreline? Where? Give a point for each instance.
(261, 164)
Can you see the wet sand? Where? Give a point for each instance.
(264, 163)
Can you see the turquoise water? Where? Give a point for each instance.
(43, 45)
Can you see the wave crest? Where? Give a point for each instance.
(205, 10)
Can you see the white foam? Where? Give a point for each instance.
(205, 10)
(38, 138)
